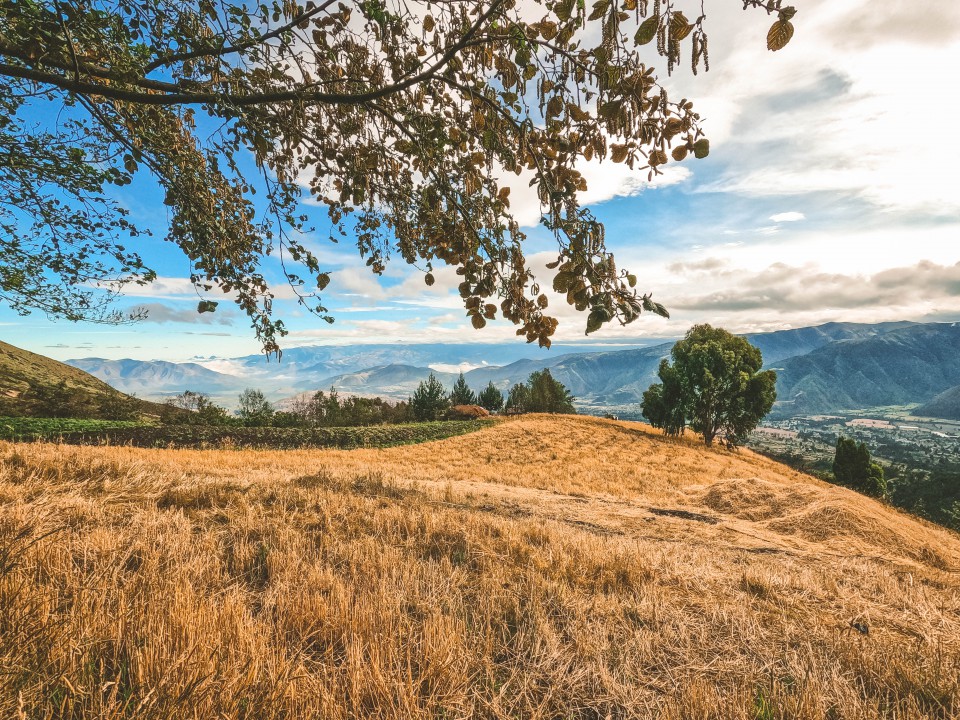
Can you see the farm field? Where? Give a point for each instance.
(139, 434)
(541, 567)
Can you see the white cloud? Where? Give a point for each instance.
(605, 181)
(787, 217)
(854, 117)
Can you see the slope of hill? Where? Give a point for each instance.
(551, 567)
(782, 344)
(902, 366)
(946, 405)
(23, 372)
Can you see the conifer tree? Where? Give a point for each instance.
(429, 400)
(461, 393)
(490, 398)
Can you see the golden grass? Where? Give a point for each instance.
(541, 568)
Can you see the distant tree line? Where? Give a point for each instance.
(67, 401)
(321, 409)
(541, 393)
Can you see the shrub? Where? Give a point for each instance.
(466, 412)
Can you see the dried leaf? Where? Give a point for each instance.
(679, 153)
(599, 9)
(780, 33)
(618, 153)
(680, 27)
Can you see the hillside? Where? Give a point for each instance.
(907, 365)
(546, 567)
(21, 370)
(946, 405)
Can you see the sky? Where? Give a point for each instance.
(832, 193)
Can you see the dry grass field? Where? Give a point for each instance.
(545, 567)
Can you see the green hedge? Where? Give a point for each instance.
(205, 436)
(32, 428)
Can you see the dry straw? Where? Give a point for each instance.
(542, 568)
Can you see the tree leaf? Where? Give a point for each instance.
(680, 27)
(205, 306)
(701, 148)
(647, 30)
(618, 153)
(780, 33)
(599, 9)
(679, 152)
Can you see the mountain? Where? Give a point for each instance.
(25, 377)
(393, 381)
(782, 344)
(305, 369)
(543, 567)
(159, 378)
(836, 366)
(907, 365)
(946, 405)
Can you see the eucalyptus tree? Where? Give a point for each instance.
(714, 385)
(400, 117)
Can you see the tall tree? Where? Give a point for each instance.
(854, 468)
(518, 399)
(461, 394)
(548, 394)
(714, 385)
(490, 398)
(254, 408)
(429, 400)
(401, 117)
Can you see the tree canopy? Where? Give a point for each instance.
(461, 394)
(541, 393)
(490, 398)
(714, 386)
(854, 468)
(429, 400)
(400, 117)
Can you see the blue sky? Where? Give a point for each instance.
(832, 192)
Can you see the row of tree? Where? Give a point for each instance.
(67, 401)
(318, 410)
(541, 393)
(430, 401)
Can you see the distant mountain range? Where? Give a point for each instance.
(832, 367)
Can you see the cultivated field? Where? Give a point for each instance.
(544, 567)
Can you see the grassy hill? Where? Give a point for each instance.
(945, 405)
(23, 374)
(545, 567)
(20, 370)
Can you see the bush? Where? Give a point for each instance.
(466, 412)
